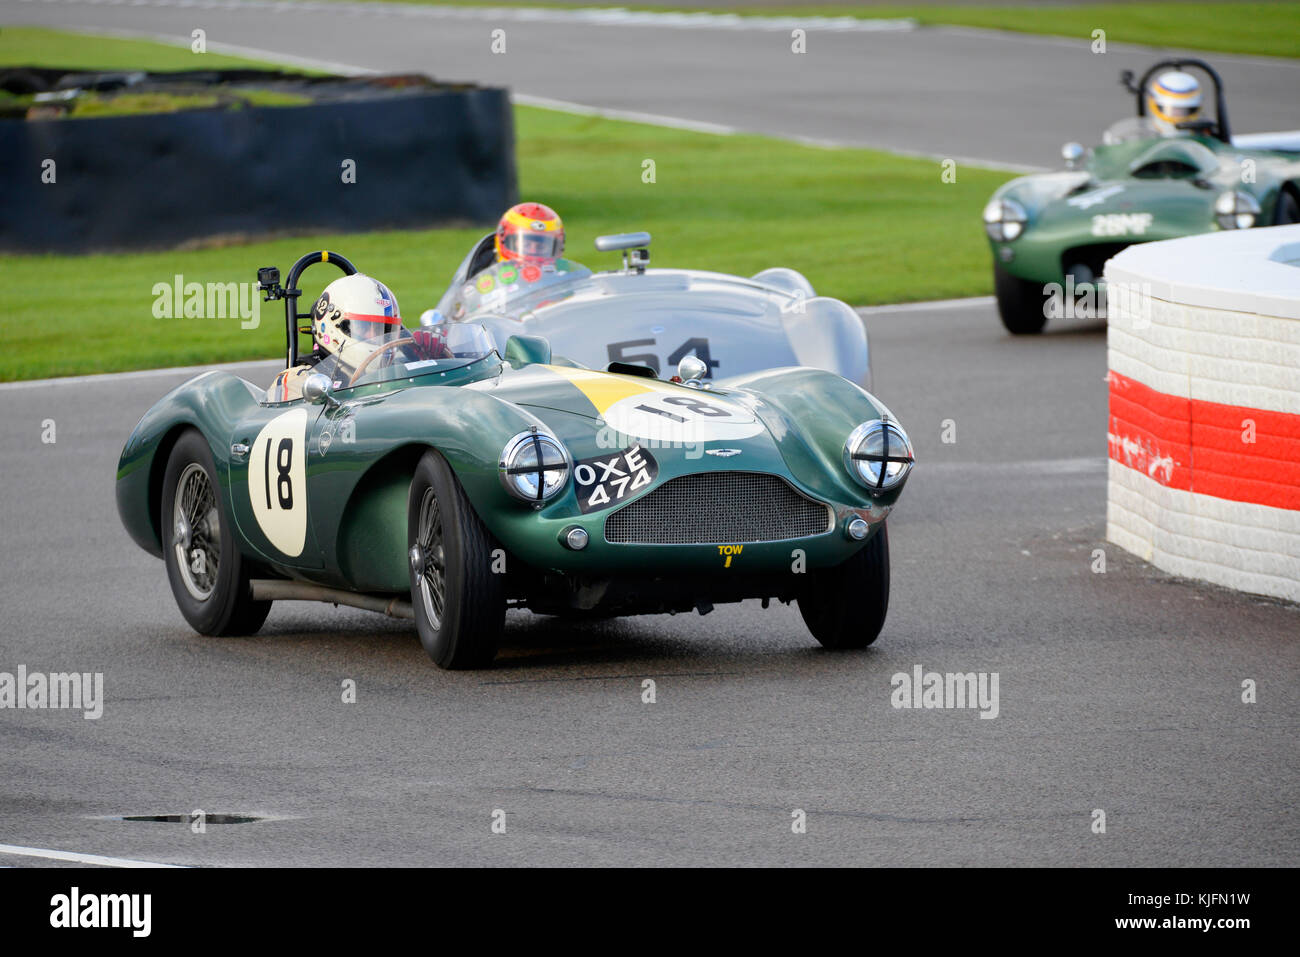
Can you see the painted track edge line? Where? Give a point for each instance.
(95, 377)
(942, 305)
(78, 858)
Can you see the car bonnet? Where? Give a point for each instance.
(631, 407)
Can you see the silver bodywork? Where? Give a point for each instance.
(655, 317)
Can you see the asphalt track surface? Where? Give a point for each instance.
(947, 92)
(1118, 691)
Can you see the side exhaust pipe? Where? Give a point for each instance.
(275, 589)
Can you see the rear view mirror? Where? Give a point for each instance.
(691, 368)
(316, 389)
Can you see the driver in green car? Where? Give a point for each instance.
(1172, 98)
(353, 318)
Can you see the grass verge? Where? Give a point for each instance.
(38, 46)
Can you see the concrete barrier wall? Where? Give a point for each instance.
(1204, 427)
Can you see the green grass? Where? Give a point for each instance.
(1263, 29)
(37, 46)
(864, 226)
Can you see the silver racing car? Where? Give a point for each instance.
(656, 317)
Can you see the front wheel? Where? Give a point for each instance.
(845, 607)
(1020, 303)
(204, 566)
(1288, 209)
(458, 598)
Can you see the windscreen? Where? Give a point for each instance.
(403, 353)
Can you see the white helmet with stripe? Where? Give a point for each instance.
(1173, 98)
(352, 314)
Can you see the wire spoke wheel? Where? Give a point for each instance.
(433, 576)
(458, 599)
(196, 527)
(205, 569)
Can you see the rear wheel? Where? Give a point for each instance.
(1020, 303)
(206, 571)
(845, 606)
(459, 602)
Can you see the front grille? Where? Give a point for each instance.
(718, 507)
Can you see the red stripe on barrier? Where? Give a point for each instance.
(1225, 451)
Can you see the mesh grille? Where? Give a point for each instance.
(718, 507)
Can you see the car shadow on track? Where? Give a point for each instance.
(732, 641)
(1071, 328)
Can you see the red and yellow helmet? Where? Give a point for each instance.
(530, 232)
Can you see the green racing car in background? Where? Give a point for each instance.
(446, 484)
(1154, 177)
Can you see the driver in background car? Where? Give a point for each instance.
(526, 248)
(353, 318)
(530, 233)
(1171, 98)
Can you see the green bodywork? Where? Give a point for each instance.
(1141, 190)
(362, 452)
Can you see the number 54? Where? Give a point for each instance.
(618, 352)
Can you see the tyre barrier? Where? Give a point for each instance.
(364, 153)
(1203, 356)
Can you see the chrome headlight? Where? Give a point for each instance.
(534, 466)
(1236, 210)
(878, 454)
(1004, 220)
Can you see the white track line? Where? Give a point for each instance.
(228, 49)
(581, 16)
(936, 305)
(633, 116)
(75, 858)
(718, 129)
(137, 374)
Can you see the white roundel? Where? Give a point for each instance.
(680, 417)
(277, 481)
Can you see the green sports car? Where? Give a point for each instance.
(1051, 233)
(448, 484)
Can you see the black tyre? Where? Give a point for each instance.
(204, 566)
(459, 602)
(1288, 209)
(845, 606)
(1020, 303)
